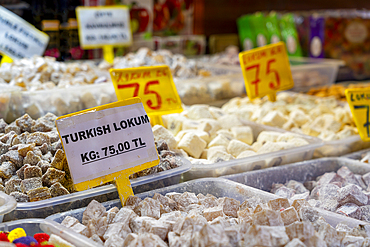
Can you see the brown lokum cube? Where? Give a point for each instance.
(58, 190)
(13, 185)
(32, 171)
(30, 184)
(39, 194)
(52, 176)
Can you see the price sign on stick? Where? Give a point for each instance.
(359, 102)
(154, 85)
(108, 143)
(266, 70)
(104, 27)
(18, 38)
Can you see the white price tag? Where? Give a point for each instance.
(18, 38)
(100, 26)
(103, 141)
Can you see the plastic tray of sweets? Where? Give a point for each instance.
(256, 162)
(33, 226)
(219, 188)
(44, 208)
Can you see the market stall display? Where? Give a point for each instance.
(324, 118)
(210, 211)
(334, 184)
(34, 170)
(218, 143)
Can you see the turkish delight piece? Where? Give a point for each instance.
(25, 123)
(352, 194)
(3, 125)
(38, 138)
(32, 171)
(69, 221)
(150, 207)
(31, 158)
(300, 230)
(39, 194)
(330, 177)
(41, 126)
(329, 204)
(349, 240)
(208, 201)
(132, 201)
(4, 148)
(57, 161)
(304, 196)
(165, 201)
(23, 149)
(285, 192)
(307, 213)
(58, 241)
(44, 165)
(243, 133)
(174, 195)
(160, 133)
(295, 243)
(298, 203)
(211, 235)
(81, 229)
(192, 144)
(137, 222)
(20, 197)
(297, 187)
(350, 209)
(212, 213)
(13, 127)
(92, 211)
(52, 176)
(97, 239)
(156, 227)
(111, 214)
(57, 189)
(315, 241)
(364, 213)
(251, 202)
(97, 226)
(186, 198)
(7, 169)
(267, 217)
(328, 191)
(366, 178)
(14, 157)
(148, 239)
(31, 183)
(124, 215)
(229, 206)
(116, 229)
(289, 215)
(266, 236)
(13, 185)
(279, 203)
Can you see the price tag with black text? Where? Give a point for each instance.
(18, 38)
(108, 143)
(154, 85)
(359, 103)
(266, 70)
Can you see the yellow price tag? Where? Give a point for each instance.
(108, 143)
(154, 85)
(266, 70)
(359, 101)
(5, 59)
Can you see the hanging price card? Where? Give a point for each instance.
(108, 143)
(266, 70)
(18, 38)
(154, 85)
(359, 102)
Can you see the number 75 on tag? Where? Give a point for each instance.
(266, 70)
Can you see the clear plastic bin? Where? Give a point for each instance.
(33, 226)
(256, 162)
(44, 208)
(313, 72)
(7, 204)
(59, 101)
(357, 155)
(218, 187)
(301, 172)
(341, 147)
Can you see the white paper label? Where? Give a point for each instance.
(18, 38)
(102, 142)
(104, 26)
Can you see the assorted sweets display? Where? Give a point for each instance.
(189, 219)
(336, 90)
